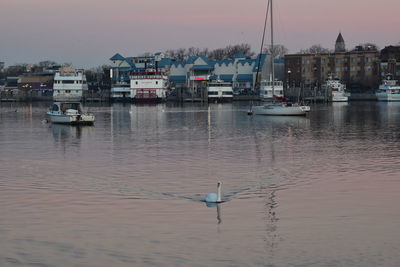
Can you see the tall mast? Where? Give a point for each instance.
(272, 51)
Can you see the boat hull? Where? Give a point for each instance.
(388, 97)
(274, 110)
(340, 99)
(83, 119)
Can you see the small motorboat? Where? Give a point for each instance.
(281, 109)
(69, 113)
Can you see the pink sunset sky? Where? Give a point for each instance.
(88, 32)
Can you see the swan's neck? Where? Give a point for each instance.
(219, 192)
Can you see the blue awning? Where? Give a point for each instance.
(177, 78)
(226, 77)
(202, 67)
(213, 77)
(244, 78)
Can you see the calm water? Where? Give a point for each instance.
(317, 191)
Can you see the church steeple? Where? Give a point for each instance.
(340, 45)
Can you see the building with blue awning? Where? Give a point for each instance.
(196, 71)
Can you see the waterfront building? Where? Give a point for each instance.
(40, 84)
(358, 68)
(194, 73)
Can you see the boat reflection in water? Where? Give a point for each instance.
(68, 134)
(389, 112)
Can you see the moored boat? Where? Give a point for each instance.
(69, 113)
(281, 109)
(270, 90)
(388, 90)
(336, 89)
(69, 84)
(219, 91)
(150, 85)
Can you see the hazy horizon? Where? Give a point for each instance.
(88, 33)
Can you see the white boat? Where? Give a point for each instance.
(69, 85)
(69, 113)
(389, 90)
(121, 92)
(271, 90)
(148, 85)
(219, 91)
(336, 89)
(281, 109)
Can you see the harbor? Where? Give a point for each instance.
(129, 190)
(173, 133)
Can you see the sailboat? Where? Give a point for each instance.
(280, 108)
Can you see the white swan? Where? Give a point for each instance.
(214, 198)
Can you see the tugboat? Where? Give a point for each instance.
(69, 113)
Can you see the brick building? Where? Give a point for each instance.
(358, 68)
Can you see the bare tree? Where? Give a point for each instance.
(279, 51)
(228, 52)
(217, 54)
(47, 63)
(204, 52)
(176, 54)
(315, 49)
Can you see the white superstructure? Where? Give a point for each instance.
(121, 92)
(69, 84)
(148, 85)
(220, 91)
(388, 90)
(267, 87)
(336, 89)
